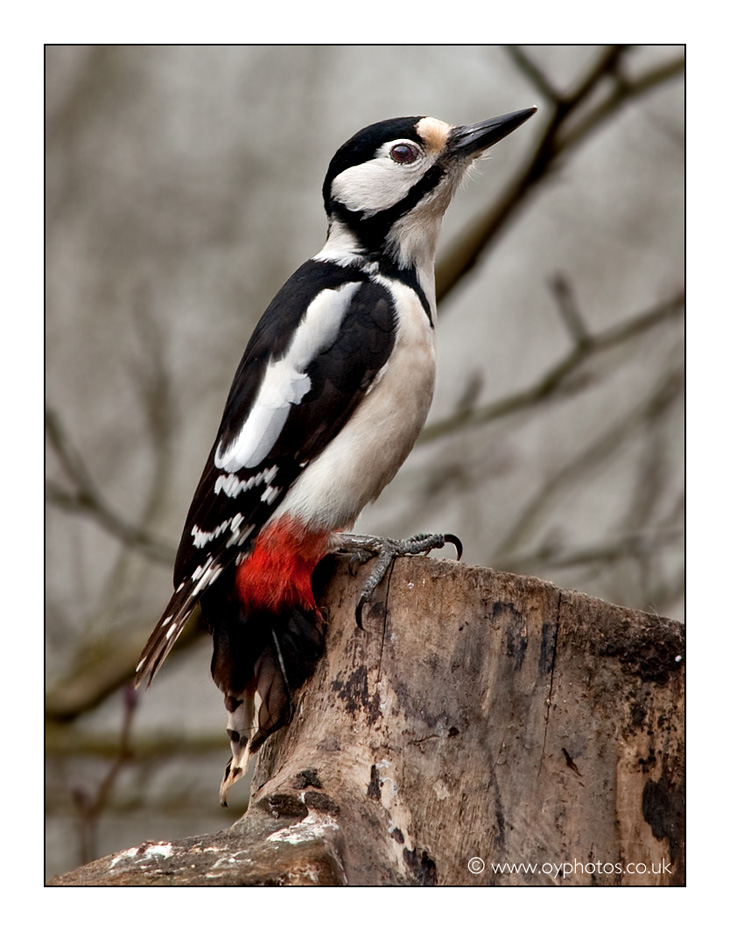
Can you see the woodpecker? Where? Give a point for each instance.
(327, 402)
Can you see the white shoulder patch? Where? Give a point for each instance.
(285, 381)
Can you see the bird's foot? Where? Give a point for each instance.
(362, 549)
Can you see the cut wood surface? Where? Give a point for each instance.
(484, 729)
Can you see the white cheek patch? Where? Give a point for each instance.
(285, 383)
(378, 184)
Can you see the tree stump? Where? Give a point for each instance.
(484, 729)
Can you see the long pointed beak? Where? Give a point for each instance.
(472, 140)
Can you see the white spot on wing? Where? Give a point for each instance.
(209, 573)
(199, 570)
(236, 522)
(240, 537)
(232, 486)
(202, 538)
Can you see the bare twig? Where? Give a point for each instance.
(84, 498)
(101, 669)
(596, 453)
(555, 142)
(535, 75)
(152, 383)
(568, 308)
(631, 545)
(621, 93)
(90, 807)
(556, 380)
(607, 63)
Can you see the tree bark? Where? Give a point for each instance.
(484, 729)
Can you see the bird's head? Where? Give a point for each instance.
(387, 188)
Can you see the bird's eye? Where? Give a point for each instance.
(404, 153)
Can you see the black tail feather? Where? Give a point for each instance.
(164, 636)
(265, 654)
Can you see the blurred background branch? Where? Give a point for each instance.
(563, 378)
(83, 498)
(556, 142)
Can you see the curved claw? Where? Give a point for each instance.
(457, 544)
(357, 559)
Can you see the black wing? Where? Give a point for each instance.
(310, 360)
